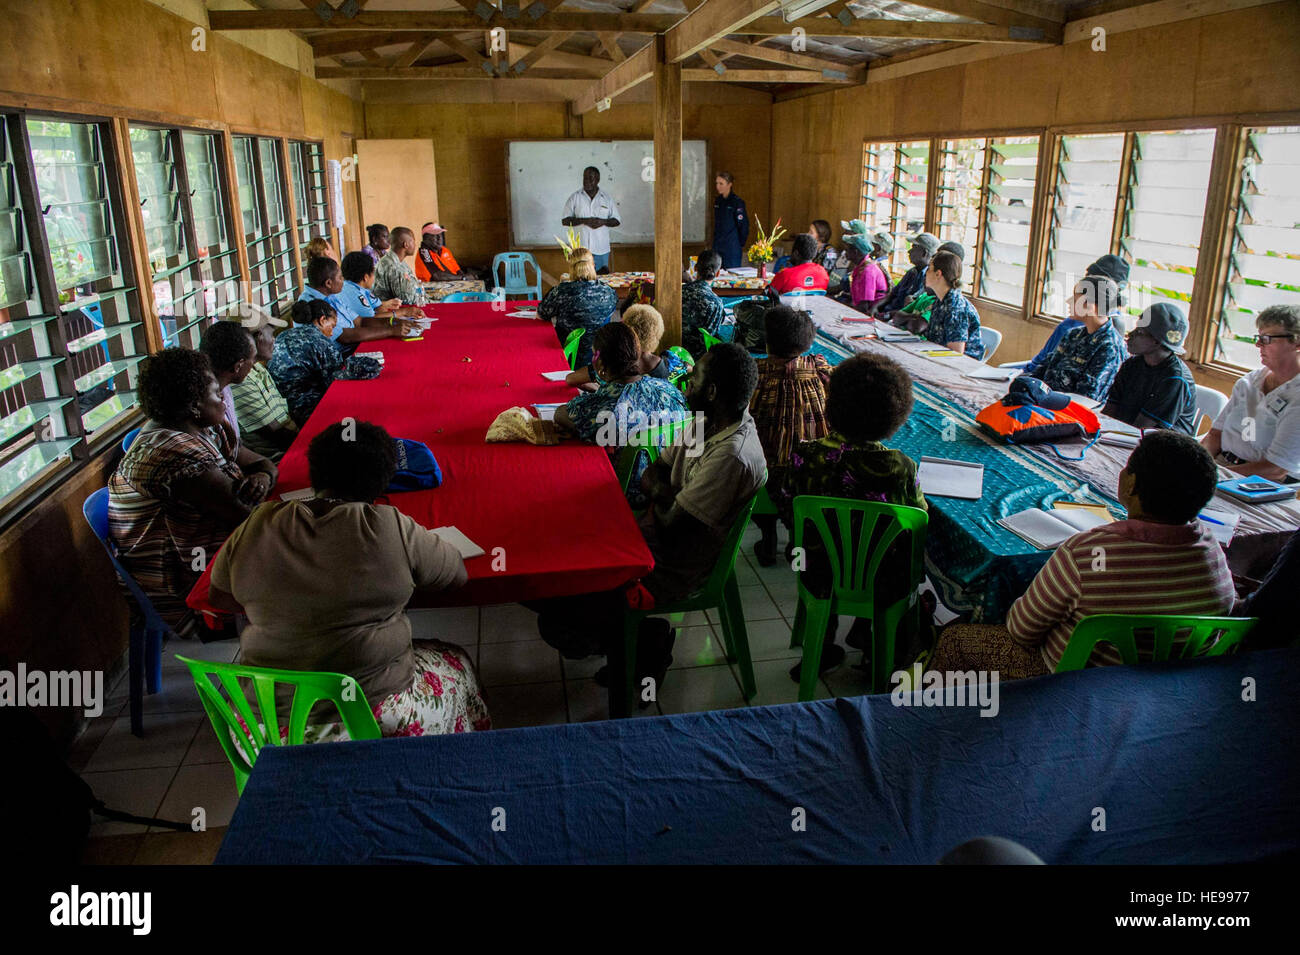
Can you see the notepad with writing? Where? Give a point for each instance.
(1047, 529)
(556, 375)
(457, 539)
(945, 477)
(1222, 524)
(892, 333)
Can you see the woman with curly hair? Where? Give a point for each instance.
(182, 487)
(279, 566)
(869, 398)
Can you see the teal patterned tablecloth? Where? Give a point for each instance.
(978, 566)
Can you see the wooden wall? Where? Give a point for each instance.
(132, 58)
(470, 135)
(59, 603)
(1233, 63)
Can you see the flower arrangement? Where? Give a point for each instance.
(569, 242)
(764, 251)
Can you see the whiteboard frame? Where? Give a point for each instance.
(514, 244)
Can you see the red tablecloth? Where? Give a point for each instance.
(557, 511)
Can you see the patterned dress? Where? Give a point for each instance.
(955, 320)
(163, 542)
(303, 364)
(609, 415)
(1085, 363)
(701, 309)
(395, 279)
(789, 407)
(833, 467)
(580, 303)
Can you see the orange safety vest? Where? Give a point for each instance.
(439, 261)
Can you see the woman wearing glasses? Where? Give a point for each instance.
(1258, 433)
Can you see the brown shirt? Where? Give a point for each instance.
(325, 588)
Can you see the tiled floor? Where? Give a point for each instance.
(178, 769)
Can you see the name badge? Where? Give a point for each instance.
(1275, 405)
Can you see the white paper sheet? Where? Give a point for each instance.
(457, 539)
(1222, 524)
(945, 477)
(992, 373)
(556, 375)
(546, 412)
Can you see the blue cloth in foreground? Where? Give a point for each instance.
(1186, 771)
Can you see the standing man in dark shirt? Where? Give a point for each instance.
(1154, 388)
(730, 223)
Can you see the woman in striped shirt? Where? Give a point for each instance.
(1159, 561)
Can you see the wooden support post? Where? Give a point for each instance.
(668, 192)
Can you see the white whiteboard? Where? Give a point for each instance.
(543, 174)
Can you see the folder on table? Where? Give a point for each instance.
(457, 539)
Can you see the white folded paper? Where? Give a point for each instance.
(456, 538)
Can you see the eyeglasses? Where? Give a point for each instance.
(1269, 339)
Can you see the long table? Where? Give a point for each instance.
(977, 565)
(1186, 772)
(723, 285)
(557, 513)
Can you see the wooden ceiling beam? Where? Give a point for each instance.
(455, 72)
(416, 50)
(1007, 13)
(770, 54)
(466, 52)
(341, 42)
(425, 21)
(531, 58)
(905, 30)
(713, 20)
(761, 76)
(637, 68)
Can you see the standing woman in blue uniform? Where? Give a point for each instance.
(730, 223)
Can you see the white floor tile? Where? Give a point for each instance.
(698, 647)
(698, 689)
(205, 748)
(583, 669)
(137, 791)
(167, 737)
(210, 787)
(775, 686)
(535, 704)
(522, 661)
(770, 640)
(502, 623)
(757, 605)
(845, 680)
(589, 702)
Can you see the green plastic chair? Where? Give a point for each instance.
(682, 378)
(571, 347)
(1205, 637)
(652, 443)
(709, 339)
(763, 503)
(854, 565)
(720, 591)
(310, 688)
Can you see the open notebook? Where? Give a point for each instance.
(1047, 529)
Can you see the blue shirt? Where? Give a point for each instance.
(912, 283)
(1086, 362)
(357, 299)
(345, 316)
(955, 320)
(1063, 328)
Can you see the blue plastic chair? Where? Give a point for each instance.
(515, 277)
(144, 656)
(128, 439)
(467, 297)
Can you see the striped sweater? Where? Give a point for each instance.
(1134, 567)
